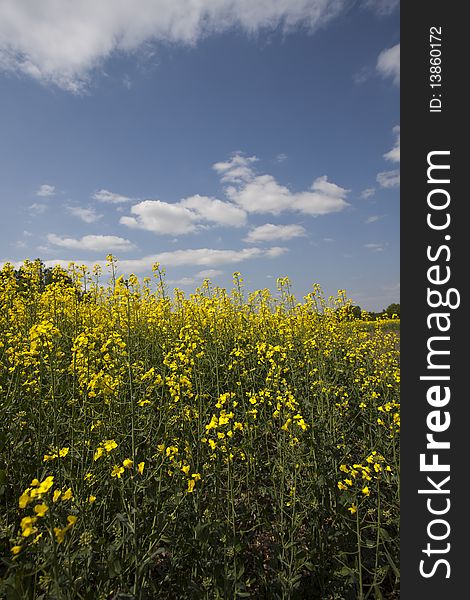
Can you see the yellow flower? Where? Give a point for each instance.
(352, 509)
(56, 495)
(191, 484)
(67, 495)
(41, 509)
(185, 469)
(342, 486)
(16, 549)
(127, 463)
(91, 499)
(45, 485)
(98, 453)
(60, 534)
(285, 427)
(63, 452)
(140, 467)
(366, 491)
(27, 526)
(25, 499)
(72, 519)
(117, 471)
(109, 445)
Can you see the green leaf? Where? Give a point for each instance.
(114, 567)
(384, 534)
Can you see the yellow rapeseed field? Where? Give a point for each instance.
(221, 445)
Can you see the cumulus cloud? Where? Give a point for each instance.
(389, 179)
(394, 154)
(63, 42)
(88, 215)
(208, 274)
(215, 211)
(110, 197)
(102, 243)
(237, 169)
(160, 217)
(46, 190)
(186, 216)
(204, 257)
(375, 247)
(368, 193)
(197, 278)
(37, 208)
(270, 232)
(373, 219)
(263, 194)
(388, 63)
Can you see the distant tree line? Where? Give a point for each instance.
(392, 309)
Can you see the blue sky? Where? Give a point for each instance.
(213, 136)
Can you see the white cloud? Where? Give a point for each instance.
(373, 219)
(363, 75)
(161, 218)
(198, 277)
(281, 157)
(110, 197)
(204, 257)
(263, 194)
(246, 191)
(186, 216)
(88, 215)
(182, 281)
(37, 208)
(103, 243)
(394, 154)
(382, 7)
(389, 179)
(215, 211)
(375, 247)
(388, 63)
(211, 257)
(46, 190)
(208, 274)
(64, 42)
(368, 193)
(237, 169)
(270, 232)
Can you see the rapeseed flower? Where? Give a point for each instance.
(117, 471)
(41, 509)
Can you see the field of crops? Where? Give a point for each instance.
(221, 445)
